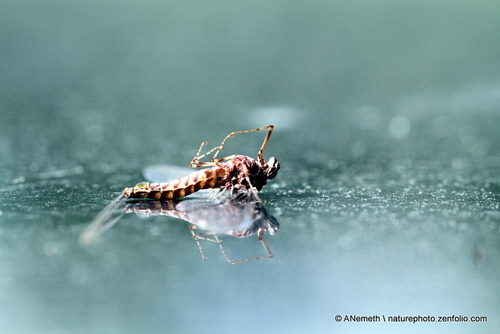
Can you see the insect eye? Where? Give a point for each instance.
(272, 169)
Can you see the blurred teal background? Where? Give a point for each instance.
(386, 114)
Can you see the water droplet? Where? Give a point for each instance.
(399, 127)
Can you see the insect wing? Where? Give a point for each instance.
(164, 173)
(222, 218)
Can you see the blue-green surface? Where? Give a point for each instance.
(387, 116)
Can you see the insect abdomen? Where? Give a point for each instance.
(203, 179)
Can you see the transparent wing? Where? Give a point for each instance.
(165, 173)
(240, 218)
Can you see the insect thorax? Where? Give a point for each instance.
(245, 171)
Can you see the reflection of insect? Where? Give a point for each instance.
(238, 210)
(230, 174)
(236, 217)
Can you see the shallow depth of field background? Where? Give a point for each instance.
(387, 117)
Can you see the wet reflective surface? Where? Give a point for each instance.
(388, 198)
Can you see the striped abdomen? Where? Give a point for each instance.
(203, 179)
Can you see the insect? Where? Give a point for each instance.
(237, 210)
(231, 173)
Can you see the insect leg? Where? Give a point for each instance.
(262, 148)
(266, 247)
(264, 144)
(196, 163)
(196, 160)
(196, 237)
(202, 236)
(219, 241)
(253, 192)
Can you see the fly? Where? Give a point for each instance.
(237, 209)
(232, 173)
